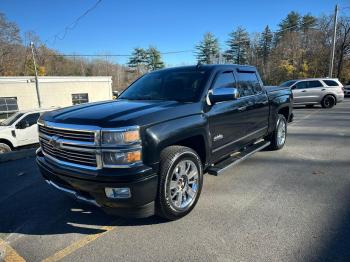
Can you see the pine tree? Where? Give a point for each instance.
(154, 59)
(265, 44)
(307, 22)
(208, 49)
(138, 58)
(289, 24)
(238, 44)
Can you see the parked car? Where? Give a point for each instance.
(347, 89)
(325, 91)
(19, 130)
(145, 153)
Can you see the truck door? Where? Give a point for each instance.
(27, 130)
(226, 119)
(256, 103)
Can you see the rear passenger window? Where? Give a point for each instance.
(248, 84)
(330, 83)
(225, 79)
(314, 83)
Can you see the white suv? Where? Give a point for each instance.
(325, 91)
(19, 130)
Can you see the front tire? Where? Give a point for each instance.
(180, 182)
(328, 101)
(279, 135)
(4, 148)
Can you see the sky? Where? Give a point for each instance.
(116, 27)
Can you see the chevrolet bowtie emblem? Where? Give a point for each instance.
(54, 142)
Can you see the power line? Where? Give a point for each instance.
(163, 53)
(72, 25)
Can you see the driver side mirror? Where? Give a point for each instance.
(222, 94)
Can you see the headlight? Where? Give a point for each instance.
(119, 158)
(120, 137)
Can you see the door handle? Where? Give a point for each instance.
(324, 89)
(242, 108)
(303, 91)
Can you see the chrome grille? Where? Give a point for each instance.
(87, 136)
(69, 146)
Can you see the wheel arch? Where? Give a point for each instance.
(7, 142)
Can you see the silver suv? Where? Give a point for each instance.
(325, 91)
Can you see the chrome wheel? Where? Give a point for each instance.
(281, 133)
(183, 184)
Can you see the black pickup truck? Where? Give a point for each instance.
(145, 153)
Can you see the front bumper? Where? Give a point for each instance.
(90, 187)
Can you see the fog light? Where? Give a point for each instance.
(122, 192)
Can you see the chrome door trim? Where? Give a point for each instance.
(239, 139)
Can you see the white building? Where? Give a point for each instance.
(19, 93)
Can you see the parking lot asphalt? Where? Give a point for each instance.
(287, 205)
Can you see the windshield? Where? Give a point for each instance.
(288, 83)
(173, 85)
(9, 121)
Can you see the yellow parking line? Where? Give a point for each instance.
(77, 245)
(7, 253)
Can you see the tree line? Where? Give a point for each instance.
(299, 48)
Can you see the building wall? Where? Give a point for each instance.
(54, 91)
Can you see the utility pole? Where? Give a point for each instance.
(331, 62)
(36, 75)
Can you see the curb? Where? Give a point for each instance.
(15, 155)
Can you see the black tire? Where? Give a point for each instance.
(273, 138)
(169, 159)
(4, 148)
(328, 101)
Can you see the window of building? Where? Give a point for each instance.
(8, 106)
(248, 84)
(80, 98)
(330, 83)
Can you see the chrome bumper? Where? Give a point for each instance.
(73, 193)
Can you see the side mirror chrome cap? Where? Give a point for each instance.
(223, 94)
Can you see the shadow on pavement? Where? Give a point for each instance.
(29, 206)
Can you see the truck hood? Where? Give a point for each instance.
(119, 113)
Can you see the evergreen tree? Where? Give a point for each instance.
(154, 59)
(289, 24)
(138, 58)
(307, 22)
(208, 49)
(238, 44)
(265, 44)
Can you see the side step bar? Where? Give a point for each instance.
(236, 158)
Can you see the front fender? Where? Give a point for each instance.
(159, 136)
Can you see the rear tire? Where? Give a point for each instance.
(328, 101)
(180, 182)
(4, 148)
(279, 135)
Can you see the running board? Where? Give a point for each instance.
(221, 166)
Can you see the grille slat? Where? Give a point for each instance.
(73, 156)
(86, 136)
